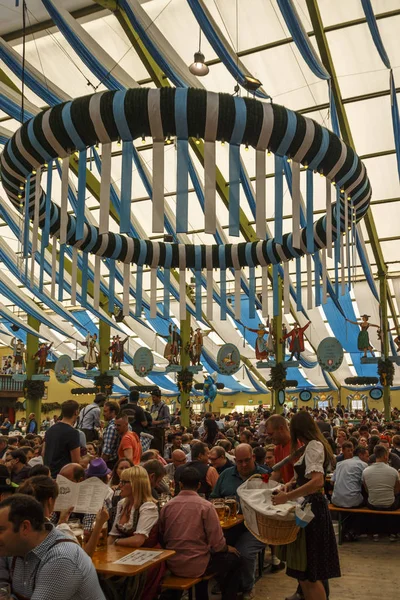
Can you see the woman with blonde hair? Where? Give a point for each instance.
(135, 523)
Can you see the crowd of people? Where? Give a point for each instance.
(162, 481)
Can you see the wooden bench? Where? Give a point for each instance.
(171, 582)
(362, 511)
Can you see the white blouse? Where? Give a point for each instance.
(148, 517)
(314, 455)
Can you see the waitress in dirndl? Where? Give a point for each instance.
(313, 557)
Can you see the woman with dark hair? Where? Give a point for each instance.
(313, 558)
(372, 442)
(211, 433)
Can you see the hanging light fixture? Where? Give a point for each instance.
(199, 67)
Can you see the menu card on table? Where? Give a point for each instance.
(85, 497)
(139, 557)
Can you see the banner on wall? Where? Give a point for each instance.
(330, 354)
(143, 362)
(64, 368)
(228, 359)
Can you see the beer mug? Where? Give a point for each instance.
(223, 511)
(231, 502)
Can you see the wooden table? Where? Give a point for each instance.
(232, 522)
(104, 559)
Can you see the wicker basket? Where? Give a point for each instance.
(274, 531)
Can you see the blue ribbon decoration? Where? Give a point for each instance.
(278, 199)
(80, 211)
(222, 285)
(234, 166)
(310, 211)
(317, 282)
(289, 133)
(275, 289)
(182, 188)
(337, 242)
(26, 216)
(197, 263)
(252, 282)
(61, 273)
(167, 279)
(85, 274)
(46, 227)
(126, 187)
(139, 279)
(111, 285)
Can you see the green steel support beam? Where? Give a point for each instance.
(326, 57)
(33, 405)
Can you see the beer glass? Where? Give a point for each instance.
(223, 511)
(231, 502)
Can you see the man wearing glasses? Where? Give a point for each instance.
(238, 536)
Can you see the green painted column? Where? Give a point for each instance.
(385, 337)
(32, 345)
(185, 362)
(279, 347)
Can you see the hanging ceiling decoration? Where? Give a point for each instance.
(185, 113)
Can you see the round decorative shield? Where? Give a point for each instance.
(305, 395)
(281, 397)
(228, 359)
(330, 354)
(376, 393)
(143, 362)
(64, 368)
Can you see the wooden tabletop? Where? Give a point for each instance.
(104, 559)
(229, 523)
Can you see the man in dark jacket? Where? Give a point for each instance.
(208, 475)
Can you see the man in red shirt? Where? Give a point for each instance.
(129, 446)
(278, 431)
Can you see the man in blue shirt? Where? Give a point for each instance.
(239, 536)
(348, 480)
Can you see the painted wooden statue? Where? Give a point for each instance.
(91, 358)
(296, 337)
(18, 354)
(363, 343)
(173, 346)
(41, 355)
(196, 345)
(117, 351)
(264, 341)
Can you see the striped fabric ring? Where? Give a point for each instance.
(92, 119)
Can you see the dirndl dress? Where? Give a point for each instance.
(363, 340)
(313, 556)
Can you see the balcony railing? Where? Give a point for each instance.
(7, 384)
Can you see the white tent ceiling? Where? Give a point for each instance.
(258, 33)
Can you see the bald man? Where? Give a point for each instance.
(74, 472)
(178, 459)
(238, 536)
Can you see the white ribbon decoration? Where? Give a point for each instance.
(105, 188)
(210, 134)
(64, 200)
(74, 274)
(155, 121)
(296, 204)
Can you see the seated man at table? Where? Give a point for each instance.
(40, 561)
(218, 459)
(347, 452)
(239, 536)
(208, 475)
(178, 459)
(189, 525)
(382, 482)
(347, 479)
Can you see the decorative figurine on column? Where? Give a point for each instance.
(117, 351)
(173, 346)
(363, 343)
(18, 354)
(90, 360)
(210, 388)
(296, 345)
(265, 344)
(196, 345)
(42, 354)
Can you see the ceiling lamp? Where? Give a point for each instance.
(199, 67)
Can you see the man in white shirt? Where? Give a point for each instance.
(382, 482)
(89, 418)
(348, 480)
